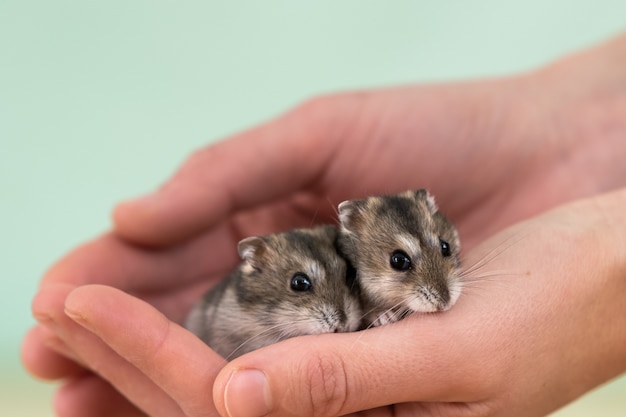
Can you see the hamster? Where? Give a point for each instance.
(406, 255)
(288, 284)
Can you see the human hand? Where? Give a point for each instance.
(541, 133)
(93, 374)
(541, 321)
(493, 152)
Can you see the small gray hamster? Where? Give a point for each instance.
(288, 284)
(406, 255)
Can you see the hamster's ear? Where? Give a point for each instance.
(252, 250)
(426, 197)
(350, 214)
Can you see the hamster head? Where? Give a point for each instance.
(405, 251)
(294, 283)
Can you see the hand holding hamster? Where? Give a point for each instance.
(495, 151)
(406, 255)
(289, 284)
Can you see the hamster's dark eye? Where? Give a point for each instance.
(301, 282)
(445, 248)
(400, 261)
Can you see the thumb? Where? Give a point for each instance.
(337, 374)
(262, 165)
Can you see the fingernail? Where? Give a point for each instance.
(247, 394)
(76, 316)
(55, 343)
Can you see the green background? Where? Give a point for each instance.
(100, 101)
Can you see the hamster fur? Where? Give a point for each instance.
(288, 284)
(406, 255)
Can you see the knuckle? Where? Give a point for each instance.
(201, 156)
(326, 384)
(329, 115)
(312, 106)
(193, 171)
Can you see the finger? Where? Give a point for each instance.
(467, 355)
(108, 259)
(112, 261)
(91, 396)
(326, 375)
(170, 356)
(426, 409)
(171, 279)
(49, 305)
(40, 356)
(254, 167)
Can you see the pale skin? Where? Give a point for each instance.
(542, 321)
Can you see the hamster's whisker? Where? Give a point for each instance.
(312, 222)
(335, 210)
(493, 253)
(278, 328)
(486, 275)
(486, 280)
(396, 312)
(365, 315)
(477, 285)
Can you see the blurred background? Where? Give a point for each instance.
(100, 101)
